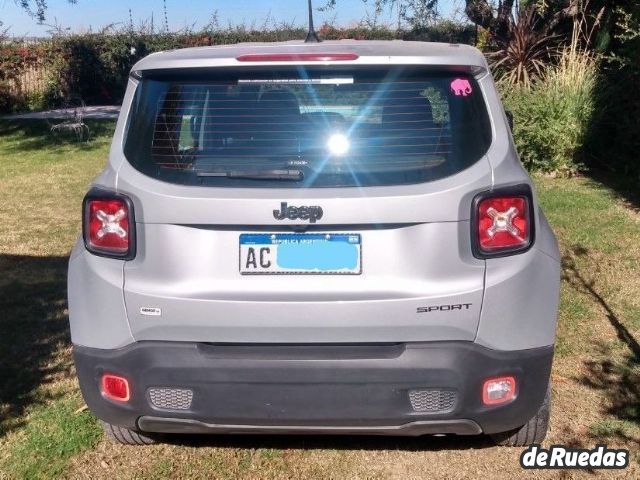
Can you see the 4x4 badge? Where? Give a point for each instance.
(303, 213)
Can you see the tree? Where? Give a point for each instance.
(36, 8)
(496, 17)
(417, 13)
(499, 20)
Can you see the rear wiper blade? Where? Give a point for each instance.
(293, 175)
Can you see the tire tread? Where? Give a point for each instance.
(126, 436)
(532, 432)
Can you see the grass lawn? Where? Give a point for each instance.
(45, 433)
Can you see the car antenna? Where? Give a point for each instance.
(312, 36)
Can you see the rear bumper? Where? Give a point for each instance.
(315, 388)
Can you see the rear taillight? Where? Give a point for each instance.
(297, 57)
(108, 224)
(502, 222)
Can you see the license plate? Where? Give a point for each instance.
(300, 253)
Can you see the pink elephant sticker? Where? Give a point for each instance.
(461, 87)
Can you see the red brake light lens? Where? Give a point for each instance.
(115, 388)
(108, 225)
(503, 224)
(297, 57)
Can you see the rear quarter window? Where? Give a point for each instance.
(306, 127)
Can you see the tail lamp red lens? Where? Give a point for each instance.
(496, 391)
(108, 225)
(297, 57)
(503, 223)
(115, 387)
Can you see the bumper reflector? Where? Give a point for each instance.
(115, 388)
(498, 390)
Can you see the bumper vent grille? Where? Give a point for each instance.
(433, 401)
(171, 398)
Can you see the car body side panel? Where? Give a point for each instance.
(521, 299)
(547, 242)
(96, 305)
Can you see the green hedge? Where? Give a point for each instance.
(96, 66)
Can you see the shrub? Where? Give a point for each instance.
(96, 65)
(14, 60)
(552, 116)
(446, 31)
(523, 57)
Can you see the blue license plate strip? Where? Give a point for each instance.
(300, 253)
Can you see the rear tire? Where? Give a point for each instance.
(126, 436)
(534, 431)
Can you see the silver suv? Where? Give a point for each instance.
(330, 237)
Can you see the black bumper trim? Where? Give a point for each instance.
(317, 388)
(412, 429)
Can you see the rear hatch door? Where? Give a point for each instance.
(368, 174)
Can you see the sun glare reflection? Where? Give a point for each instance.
(338, 144)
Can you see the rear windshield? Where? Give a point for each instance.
(307, 128)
